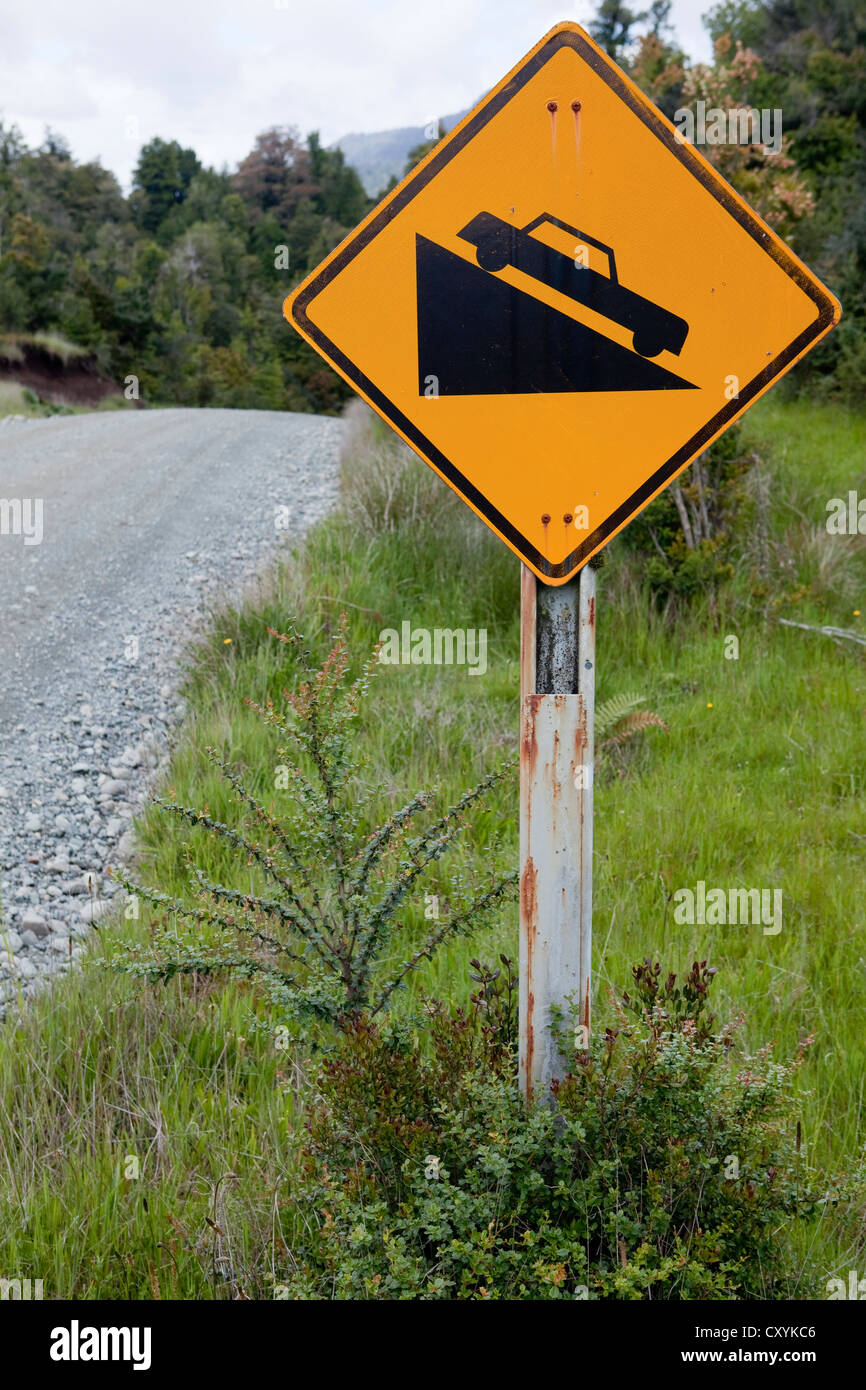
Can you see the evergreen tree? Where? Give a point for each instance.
(613, 25)
(161, 180)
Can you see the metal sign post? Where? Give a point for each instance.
(557, 752)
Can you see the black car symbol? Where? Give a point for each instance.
(499, 244)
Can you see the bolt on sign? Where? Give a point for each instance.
(562, 305)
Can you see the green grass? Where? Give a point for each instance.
(13, 346)
(16, 399)
(131, 1121)
(758, 783)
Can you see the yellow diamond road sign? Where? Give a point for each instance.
(562, 305)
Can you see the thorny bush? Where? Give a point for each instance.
(321, 932)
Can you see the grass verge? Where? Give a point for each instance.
(758, 783)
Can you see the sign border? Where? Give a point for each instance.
(572, 36)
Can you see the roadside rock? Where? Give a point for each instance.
(34, 922)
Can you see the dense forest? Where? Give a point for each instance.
(181, 282)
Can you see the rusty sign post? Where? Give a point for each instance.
(557, 754)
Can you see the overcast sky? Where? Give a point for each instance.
(213, 73)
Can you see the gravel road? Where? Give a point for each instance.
(118, 532)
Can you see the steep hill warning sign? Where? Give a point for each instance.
(562, 305)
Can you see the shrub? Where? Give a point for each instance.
(685, 535)
(318, 926)
(665, 1166)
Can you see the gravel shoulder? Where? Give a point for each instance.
(144, 520)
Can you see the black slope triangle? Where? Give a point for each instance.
(479, 336)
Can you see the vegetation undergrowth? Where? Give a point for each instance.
(669, 1166)
(756, 781)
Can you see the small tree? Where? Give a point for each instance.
(319, 932)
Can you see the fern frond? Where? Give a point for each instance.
(610, 712)
(632, 724)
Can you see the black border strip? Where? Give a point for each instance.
(713, 182)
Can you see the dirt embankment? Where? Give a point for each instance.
(58, 376)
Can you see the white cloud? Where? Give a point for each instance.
(213, 73)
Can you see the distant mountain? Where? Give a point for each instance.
(383, 153)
